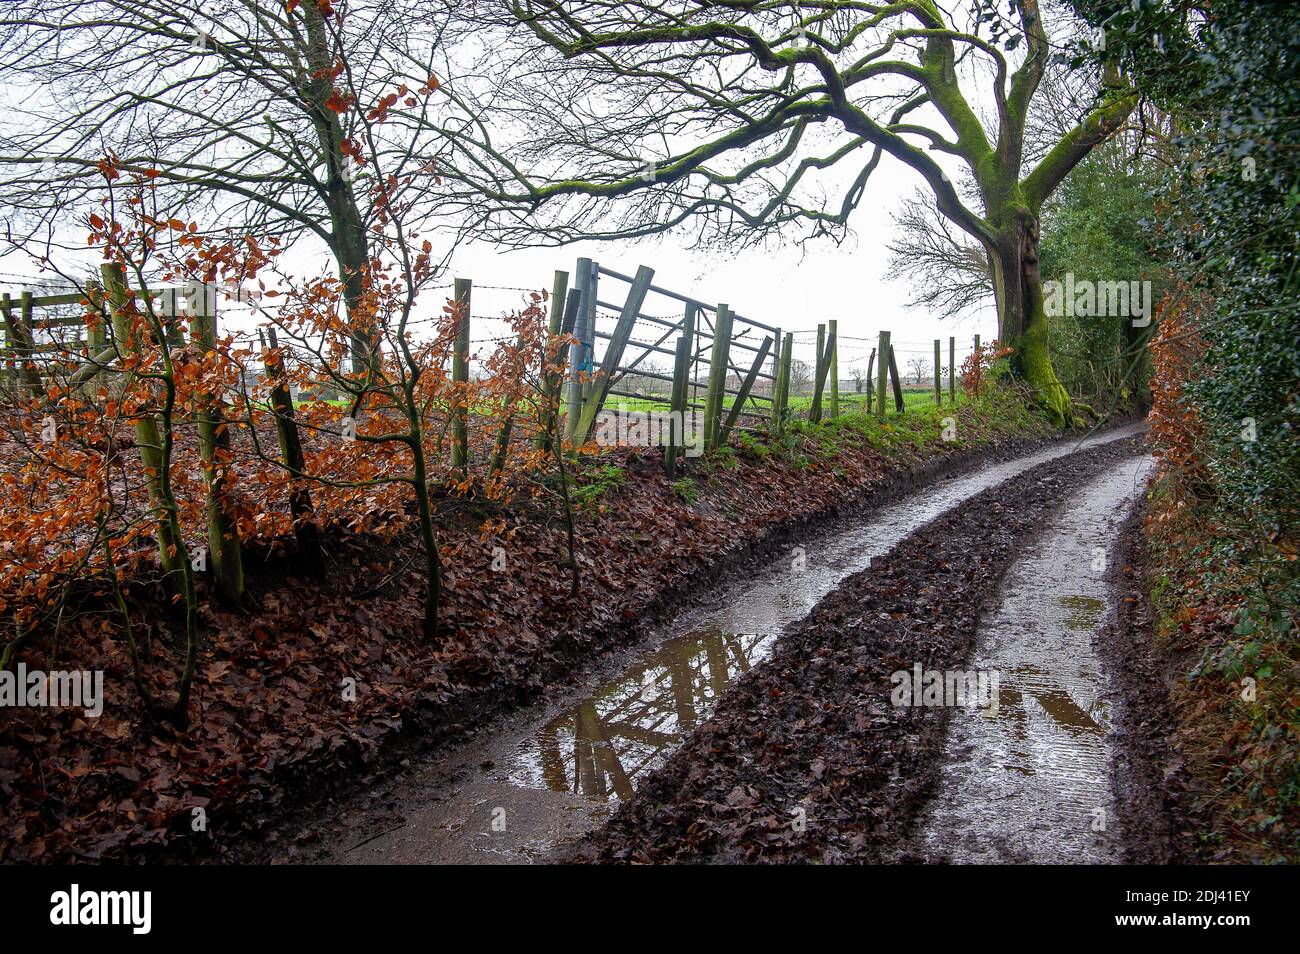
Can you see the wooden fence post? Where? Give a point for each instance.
(559, 289)
(29, 343)
(819, 377)
(689, 322)
(559, 292)
(572, 309)
(460, 376)
(677, 405)
(214, 451)
(96, 333)
(782, 396)
(716, 394)
(19, 341)
(882, 375)
(898, 384)
(148, 438)
(286, 429)
(952, 370)
(573, 400)
(938, 373)
(776, 364)
(835, 368)
(978, 369)
(10, 343)
(586, 330)
(745, 388)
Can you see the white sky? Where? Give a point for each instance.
(794, 288)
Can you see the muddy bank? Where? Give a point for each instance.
(807, 758)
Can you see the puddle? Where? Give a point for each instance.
(558, 769)
(1084, 611)
(1032, 783)
(601, 746)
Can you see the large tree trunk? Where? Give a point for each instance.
(1022, 322)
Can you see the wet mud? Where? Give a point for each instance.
(544, 776)
(811, 757)
(1029, 780)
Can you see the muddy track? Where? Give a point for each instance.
(1030, 778)
(348, 787)
(806, 759)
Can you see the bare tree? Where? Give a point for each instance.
(946, 270)
(918, 369)
(801, 377)
(238, 110)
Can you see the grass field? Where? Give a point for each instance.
(913, 398)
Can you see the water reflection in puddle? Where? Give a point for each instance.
(1082, 612)
(600, 747)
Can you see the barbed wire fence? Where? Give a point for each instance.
(644, 371)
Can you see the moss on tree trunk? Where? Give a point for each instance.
(1022, 320)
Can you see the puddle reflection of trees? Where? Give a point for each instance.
(599, 747)
(1054, 699)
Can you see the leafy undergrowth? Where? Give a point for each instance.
(1221, 549)
(1220, 603)
(305, 685)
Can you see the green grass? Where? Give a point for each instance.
(799, 403)
(596, 483)
(855, 401)
(1000, 409)
(686, 491)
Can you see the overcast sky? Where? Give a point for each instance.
(791, 288)
(794, 288)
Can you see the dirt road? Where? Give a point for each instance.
(530, 786)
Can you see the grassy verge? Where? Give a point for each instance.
(921, 430)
